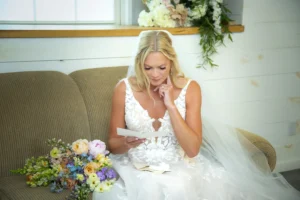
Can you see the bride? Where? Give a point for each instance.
(198, 158)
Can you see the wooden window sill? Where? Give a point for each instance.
(95, 31)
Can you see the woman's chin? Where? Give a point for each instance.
(156, 83)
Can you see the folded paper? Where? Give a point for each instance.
(126, 132)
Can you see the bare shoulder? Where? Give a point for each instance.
(193, 87)
(193, 92)
(120, 88)
(182, 81)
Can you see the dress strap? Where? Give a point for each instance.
(128, 88)
(184, 89)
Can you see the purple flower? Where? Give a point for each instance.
(101, 175)
(111, 174)
(103, 170)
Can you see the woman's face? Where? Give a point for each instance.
(157, 67)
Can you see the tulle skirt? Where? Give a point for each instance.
(223, 170)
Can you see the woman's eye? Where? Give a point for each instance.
(162, 68)
(147, 68)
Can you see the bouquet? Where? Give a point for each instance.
(82, 167)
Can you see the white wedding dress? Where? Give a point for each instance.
(221, 172)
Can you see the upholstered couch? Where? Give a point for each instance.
(35, 106)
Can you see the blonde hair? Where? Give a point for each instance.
(155, 41)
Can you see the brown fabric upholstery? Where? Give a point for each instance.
(34, 107)
(96, 86)
(263, 145)
(14, 187)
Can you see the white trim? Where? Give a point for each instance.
(76, 10)
(126, 12)
(34, 10)
(118, 15)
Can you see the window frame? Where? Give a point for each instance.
(117, 16)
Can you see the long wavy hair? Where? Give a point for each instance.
(155, 41)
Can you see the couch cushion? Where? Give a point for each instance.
(36, 106)
(96, 86)
(14, 187)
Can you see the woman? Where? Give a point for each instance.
(157, 97)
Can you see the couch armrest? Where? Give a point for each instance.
(262, 144)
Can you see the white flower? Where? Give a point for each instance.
(188, 22)
(99, 187)
(162, 18)
(102, 187)
(216, 14)
(198, 11)
(93, 182)
(145, 19)
(107, 185)
(153, 4)
(213, 3)
(219, 1)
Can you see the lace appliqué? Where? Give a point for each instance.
(153, 151)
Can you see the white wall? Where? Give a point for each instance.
(256, 87)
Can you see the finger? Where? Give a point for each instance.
(156, 88)
(136, 143)
(169, 82)
(131, 139)
(161, 93)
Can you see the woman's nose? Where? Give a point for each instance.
(155, 73)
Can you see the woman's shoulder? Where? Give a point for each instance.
(194, 86)
(120, 86)
(193, 91)
(188, 83)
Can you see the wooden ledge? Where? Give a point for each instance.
(98, 31)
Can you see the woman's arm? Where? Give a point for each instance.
(119, 144)
(189, 131)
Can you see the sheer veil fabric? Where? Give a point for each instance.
(225, 168)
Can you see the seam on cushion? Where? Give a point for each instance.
(85, 104)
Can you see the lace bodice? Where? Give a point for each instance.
(153, 151)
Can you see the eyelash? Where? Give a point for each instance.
(162, 68)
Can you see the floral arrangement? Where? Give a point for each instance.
(82, 167)
(211, 16)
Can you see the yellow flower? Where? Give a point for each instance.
(80, 146)
(93, 176)
(107, 185)
(99, 157)
(93, 182)
(99, 188)
(90, 168)
(55, 152)
(80, 177)
(107, 161)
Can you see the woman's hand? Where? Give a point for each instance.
(166, 91)
(132, 142)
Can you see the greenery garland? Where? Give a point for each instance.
(210, 38)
